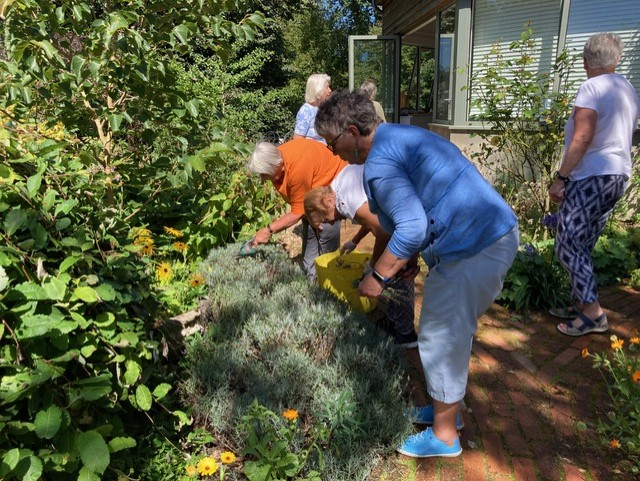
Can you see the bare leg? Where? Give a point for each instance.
(444, 421)
(417, 384)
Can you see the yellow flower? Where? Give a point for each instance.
(635, 340)
(180, 246)
(143, 241)
(196, 280)
(163, 272)
(207, 466)
(585, 353)
(617, 344)
(290, 414)
(141, 232)
(614, 443)
(173, 232)
(191, 470)
(227, 457)
(147, 250)
(636, 377)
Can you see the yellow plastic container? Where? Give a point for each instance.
(339, 274)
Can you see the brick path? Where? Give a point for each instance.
(528, 388)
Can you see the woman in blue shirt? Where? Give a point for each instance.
(318, 89)
(436, 204)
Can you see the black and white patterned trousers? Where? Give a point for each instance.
(582, 216)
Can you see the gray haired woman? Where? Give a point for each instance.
(318, 89)
(592, 176)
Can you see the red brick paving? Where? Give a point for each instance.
(528, 388)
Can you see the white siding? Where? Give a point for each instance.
(503, 21)
(587, 17)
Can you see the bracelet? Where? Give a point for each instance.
(270, 229)
(380, 278)
(561, 177)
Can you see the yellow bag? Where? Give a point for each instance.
(339, 274)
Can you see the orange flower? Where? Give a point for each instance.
(636, 377)
(180, 246)
(290, 414)
(173, 232)
(617, 344)
(585, 353)
(191, 470)
(227, 457)
(635, 340)
(614, 443)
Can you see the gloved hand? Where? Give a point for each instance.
(347, 247)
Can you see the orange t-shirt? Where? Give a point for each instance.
(307, 164)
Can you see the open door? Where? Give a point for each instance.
(377, 57)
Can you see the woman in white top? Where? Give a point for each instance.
(318, 89)
(593, 175)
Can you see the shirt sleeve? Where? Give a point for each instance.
(303, 121)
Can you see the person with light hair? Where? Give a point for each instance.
(294, 168)
(435, 203)
(593, 176)
(318, 89)
(370, 87)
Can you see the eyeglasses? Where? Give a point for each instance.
(332, 146)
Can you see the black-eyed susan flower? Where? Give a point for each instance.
(196, 280)
(585, 353)
(164, 272)
(636, 377)
(227, 457)
(207, 466)
(173, 232)
(147, 250)
(143, 241)
(617, 344)
(191, 470)
(290, 414)
(635, 340)
(614, 443)
(180, 246)
(141, 232)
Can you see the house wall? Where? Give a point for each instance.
(403, 16)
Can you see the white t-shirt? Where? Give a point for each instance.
(349, 190)
(618, 108)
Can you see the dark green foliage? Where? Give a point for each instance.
(277, 339)
(536, 280)
(616, 255)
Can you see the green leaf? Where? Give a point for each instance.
(76, 66)
(31, 291)
(34, 471)
(114, 121)
(256, 471)
(120, 443)
(55, 288)
(11, 458)
(181, 32)
(65, 207)
(48, 422)
(86, 474)
(86, 294)
(37, 325)
(33, 184)
(132, 374)
(161, 390)
(193, 107)
(143, 397)
(62, 224)
(93, 451)
(14, 220)
(106, 292)
(68, 262)
(197, 162)
(4, 279)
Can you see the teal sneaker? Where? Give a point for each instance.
(424, 415)
(426, 445)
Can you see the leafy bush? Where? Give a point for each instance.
(278, 340)
(615, 255)
(621, 370)
(536, 280)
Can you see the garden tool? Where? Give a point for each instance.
(247, 249)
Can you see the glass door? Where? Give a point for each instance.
(377, 57)
(445, 70)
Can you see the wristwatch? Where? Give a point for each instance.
(270, 229)
(381, 279)
(561, 177)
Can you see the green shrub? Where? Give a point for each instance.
(615, 255)
(536, 280)
(286, 344)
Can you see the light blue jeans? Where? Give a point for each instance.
(455, 294)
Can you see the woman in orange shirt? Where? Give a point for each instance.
(294, 168)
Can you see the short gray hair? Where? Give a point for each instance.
(346, 108)
(266, 159)
(370, 87)
(316, 84)
(602, 50)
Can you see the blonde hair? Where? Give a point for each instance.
(315, 204)
(316, 85)
(602, 50)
